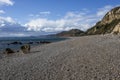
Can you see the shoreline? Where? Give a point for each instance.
(15, 44)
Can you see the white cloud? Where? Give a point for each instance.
(2, 11)
(4, 20)
(69, 21)
(39, 25)
(9, 27)
(80, 20)
(104, 10)
(9, 19)
(6, 2)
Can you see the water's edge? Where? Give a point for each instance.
(8, 42)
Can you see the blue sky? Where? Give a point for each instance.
(39, 17)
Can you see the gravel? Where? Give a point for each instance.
(79, 58)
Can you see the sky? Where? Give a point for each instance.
(41, 17)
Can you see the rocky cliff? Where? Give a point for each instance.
(109, 24)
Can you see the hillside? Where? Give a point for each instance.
(72, 32)
(109, 24)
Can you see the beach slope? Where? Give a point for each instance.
(79, 58)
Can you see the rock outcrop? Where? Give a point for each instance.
(116, 30)
(25, 48)
(109, 24)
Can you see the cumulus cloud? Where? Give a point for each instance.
(6, 20)
(83, 20)
(14, 29)
(69, 21)
(48, 25)
(8, 27)
(6, 2)
(80, 20)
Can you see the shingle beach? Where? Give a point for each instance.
(79, 58)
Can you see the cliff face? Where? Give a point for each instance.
(109, 24)
(72, 32)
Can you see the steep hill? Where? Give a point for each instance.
(109, 24)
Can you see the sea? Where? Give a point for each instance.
(6, 42)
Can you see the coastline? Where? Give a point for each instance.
(14, 43)
(88, 57)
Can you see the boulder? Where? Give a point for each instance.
(25, 48)
(9, 51)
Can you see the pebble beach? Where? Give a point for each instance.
(78, 58)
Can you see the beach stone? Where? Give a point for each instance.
(25, 48)
(9, 51)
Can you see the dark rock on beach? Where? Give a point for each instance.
(16, 43)
(25, 48)
(9, 51)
